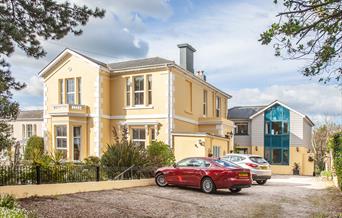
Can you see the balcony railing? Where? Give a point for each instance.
(69, 108)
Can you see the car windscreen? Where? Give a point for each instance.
(258, 160)
(225, 163)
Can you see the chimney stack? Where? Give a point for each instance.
(186, 57)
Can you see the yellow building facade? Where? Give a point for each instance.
(85, 101)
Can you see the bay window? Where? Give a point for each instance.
(61, 139)
(218, 106)
(77, 142)
(139, 136)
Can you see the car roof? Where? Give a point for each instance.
(204, 158)
(242, 155)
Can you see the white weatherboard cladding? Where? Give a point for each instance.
(242, 140)
(307, 135)
(296, 129)
(257, 132)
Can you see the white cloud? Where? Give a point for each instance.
(34, 87)
(318, 101)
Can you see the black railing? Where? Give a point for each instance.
(68, 173)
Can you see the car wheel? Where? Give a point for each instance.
(208, 185)
(261, 182)
(235, 190)
(160, 180)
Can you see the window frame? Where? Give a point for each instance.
(237, 124)
(205, 103)
(139, 140)
(58, 148)
(80, 142)
(61, 91)
(218, 106)
(140, 92)
(128, 90)
(29, 131)
(216, 151)
(149, 89)
(71, 93)
(79, 90)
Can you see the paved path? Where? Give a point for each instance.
(282, 196)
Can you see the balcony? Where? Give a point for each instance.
(216, 125)
(68, 110)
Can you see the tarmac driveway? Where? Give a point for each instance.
(282, 196)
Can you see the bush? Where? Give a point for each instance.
(124, 154)
(327, 174)
(335, 143)
(34, 148)
(8, 201)
(92, 160)
(14, 213)
(160, 154)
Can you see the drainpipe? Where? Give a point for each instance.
(169, 106)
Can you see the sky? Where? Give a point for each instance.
(225, 34)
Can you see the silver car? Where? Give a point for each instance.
(259, 167)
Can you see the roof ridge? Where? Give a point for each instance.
(139, 59)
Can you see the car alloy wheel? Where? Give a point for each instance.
(160, 180)
(261, 182)
(235, 190)
(208, 185)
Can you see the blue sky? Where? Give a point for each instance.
(225, 34)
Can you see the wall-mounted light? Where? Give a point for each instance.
(229, 135)
(256, 148)
(297, 149)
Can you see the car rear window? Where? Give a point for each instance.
(258, 160)
(226, 163)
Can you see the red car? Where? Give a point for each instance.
(207, 174)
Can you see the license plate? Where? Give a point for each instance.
(243, 174)
(263, 167)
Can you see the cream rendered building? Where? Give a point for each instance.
(282, 135)
(154, 98)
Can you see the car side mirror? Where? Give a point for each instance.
(174, 165)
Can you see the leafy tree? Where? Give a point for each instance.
(22, 25)
(310, 29)
(34, 148)
(160, 154)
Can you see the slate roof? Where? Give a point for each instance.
(243, 112)
(30, 115)
(139, 63)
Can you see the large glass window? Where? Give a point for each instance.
(77, 143)
(139, 90)
(149, 89)
(277, 120)
(241, 128)
(139, 136)
(70, 91)
(216, 151)
(61, 140)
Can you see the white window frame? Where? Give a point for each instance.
(62, 137)
(29, 133)
(138, 92)
(149, 89)
(73, 142)
(140, 139)
(61, 91)
(218, 106)
(128, 91)
(216, 151)
(71, 93)
(79, 96)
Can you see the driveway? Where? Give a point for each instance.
(282, 196)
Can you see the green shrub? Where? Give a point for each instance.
(8, 201)
(14, 213)
(124, 154)
(34, 149)
(160, 154)
(327, 174)
(335, 143)
(92, 160)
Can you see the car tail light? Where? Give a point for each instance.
(252, 165)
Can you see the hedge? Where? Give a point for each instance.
(335, 144)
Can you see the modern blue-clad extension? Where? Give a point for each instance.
(277, 137)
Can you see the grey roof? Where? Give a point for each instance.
(91, 59)
(30, 115)
(139, 63)
(243, 112)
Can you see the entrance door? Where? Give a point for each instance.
(77, 143)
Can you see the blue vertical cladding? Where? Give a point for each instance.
(277, 135)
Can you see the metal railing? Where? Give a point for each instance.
(68, 173)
